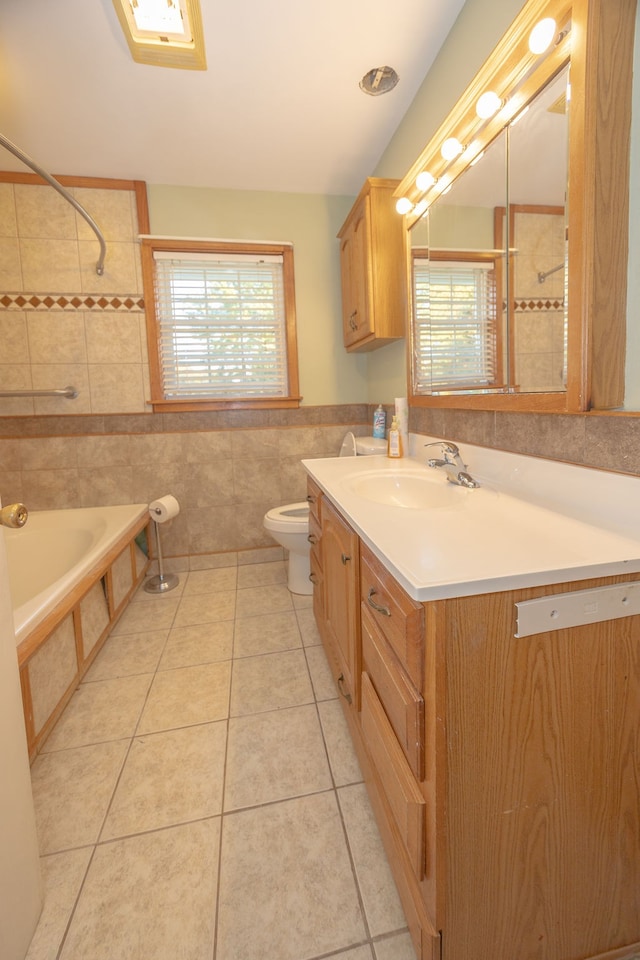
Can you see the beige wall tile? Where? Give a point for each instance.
(113, 337)
(50, 266)
(10, 265)
(56, 337)
(15, 376)
(119, 268)
(105, 486)
(160, 448)
(13, 336)
(52, 453)
(111, 210)
(55, 376)
(210, 484)
(207, 446)
(256, 481)
(42, 212)
(51, 489)
(95, 452)
(255, 444)
(8, 222)
(116, 388)
(11, 488)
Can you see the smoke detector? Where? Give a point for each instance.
(379, 80)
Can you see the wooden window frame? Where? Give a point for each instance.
(159, 403)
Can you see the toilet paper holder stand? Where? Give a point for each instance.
(162, 582)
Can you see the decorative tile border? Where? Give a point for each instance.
(58, 301)
(538, 306)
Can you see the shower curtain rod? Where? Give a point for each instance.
(17, 152)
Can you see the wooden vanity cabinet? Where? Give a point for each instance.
(503, 771)
(341, 626)
(372, 263)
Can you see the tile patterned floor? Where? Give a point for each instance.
(199, 799)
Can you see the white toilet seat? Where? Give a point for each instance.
(289, 518)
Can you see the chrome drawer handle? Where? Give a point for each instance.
(346, 695)
(376, 606)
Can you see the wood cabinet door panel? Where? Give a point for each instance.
(403, 704)
(402, 793)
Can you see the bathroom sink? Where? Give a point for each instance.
(413, 490)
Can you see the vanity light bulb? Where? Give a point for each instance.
(488, 105)
(424, 180)
(404, 205)
(451, 149)
(542, 34)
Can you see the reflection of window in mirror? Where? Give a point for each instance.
(459, 337)
(456, 338)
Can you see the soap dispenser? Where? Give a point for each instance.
(394, 445)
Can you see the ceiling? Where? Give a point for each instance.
(279, 107)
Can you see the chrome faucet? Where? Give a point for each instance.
(452, 463)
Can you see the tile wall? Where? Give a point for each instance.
(225, 469)
(60, 323)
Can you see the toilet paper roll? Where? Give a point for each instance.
(163, 509)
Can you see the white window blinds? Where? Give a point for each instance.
(455, 325)
(222, 325)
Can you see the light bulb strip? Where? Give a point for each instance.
(515, 75)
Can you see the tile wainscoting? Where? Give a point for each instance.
(228, 468)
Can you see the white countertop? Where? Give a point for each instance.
(531, 522)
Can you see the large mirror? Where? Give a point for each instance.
(526, 223)
(488, 264)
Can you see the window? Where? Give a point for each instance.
(455, 344)
(221, 324)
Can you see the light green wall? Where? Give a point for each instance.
(328, 374)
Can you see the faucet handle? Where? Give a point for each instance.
(446, 445)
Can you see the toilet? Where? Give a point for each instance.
(289, 524)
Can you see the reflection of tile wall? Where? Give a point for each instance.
(60, 323)
(539, 307)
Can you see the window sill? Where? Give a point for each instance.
(266, 403)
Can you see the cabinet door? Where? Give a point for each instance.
(340, 560)
(355, 262)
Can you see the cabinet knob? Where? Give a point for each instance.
(345, 559)
(312, 538)
(376, 606)
(310, 498)
(313, 578)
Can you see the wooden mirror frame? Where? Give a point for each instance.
(600, 47)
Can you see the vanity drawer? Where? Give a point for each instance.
(401, 792)
(314, 499)
(399, 618)
(402, 703)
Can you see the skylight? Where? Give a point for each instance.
(163, 33)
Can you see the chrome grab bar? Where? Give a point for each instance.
(69, 392)
(17, 152)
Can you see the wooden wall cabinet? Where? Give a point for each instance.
(373, 268)
(504, 772)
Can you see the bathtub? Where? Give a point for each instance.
(56, 550)
(71, 575)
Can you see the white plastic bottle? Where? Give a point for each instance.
(379, 422)
(394, 444)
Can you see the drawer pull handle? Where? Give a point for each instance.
(345, 559)
(344, 693)
(312, 538)
(376, 606)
